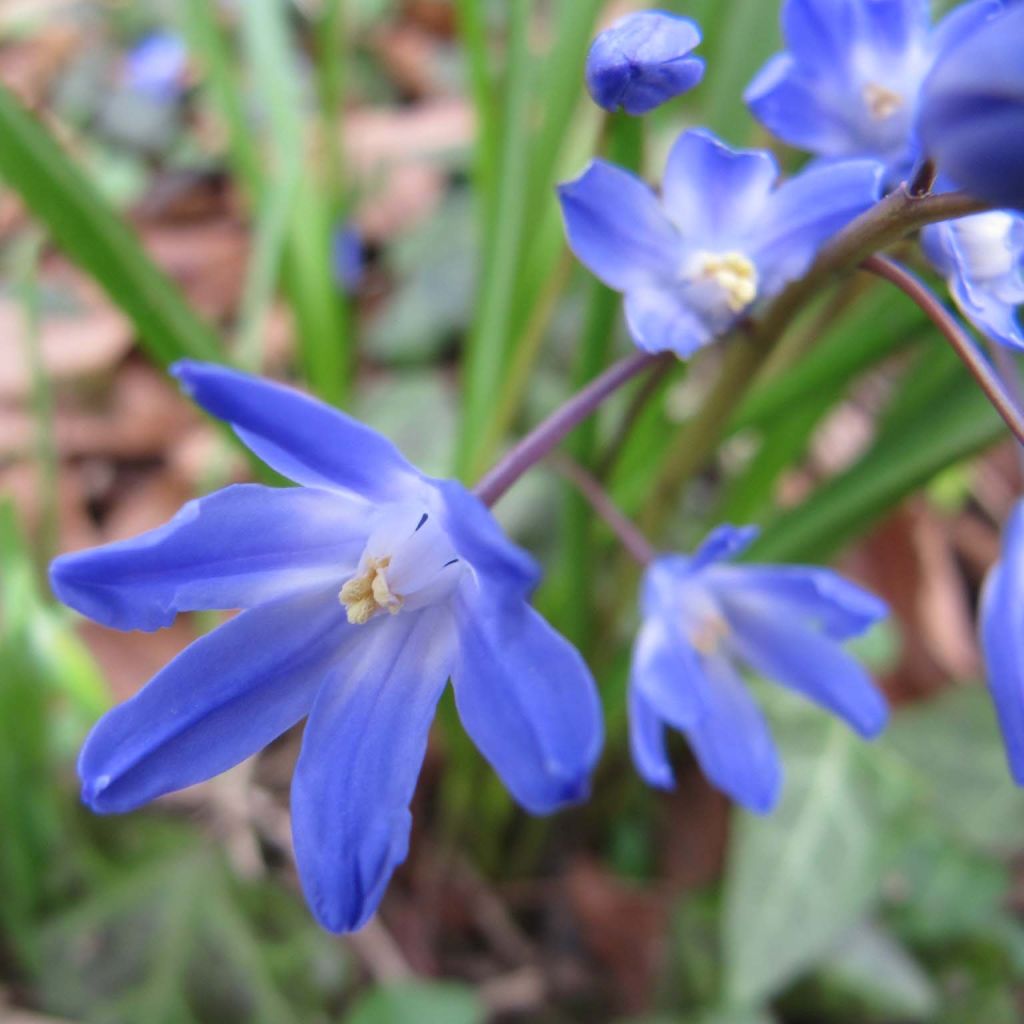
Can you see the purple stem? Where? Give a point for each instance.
(979, 368)
(543, 438)
(624, 528)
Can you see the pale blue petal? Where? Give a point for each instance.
(732, 742)
(723, 543)
(647, 742)
(617, 228)
(302, 438)
(659, 320)
(361, 755)
(1001, 628)
(667, 673)
(235, 548)
(787, 651)
(819, 597)
(716, 195)
(961, 21)
(805, 212)
(894, 27)
(821, 34)
(992, 316)
(223, 698)
(480, 540)
(526, 698)
(796, 108)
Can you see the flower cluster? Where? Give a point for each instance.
(368, 586)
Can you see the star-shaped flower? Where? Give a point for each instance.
(362, 591)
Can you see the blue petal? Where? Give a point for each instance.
(235, 548)
(819, 597)
(659, 320)
(647, 742)
(526, 698)
(992, 316)
(643, 60)
(732, 742)
(666, 672)
(796, 108)
(787, 651)
(302, 438)
(1001, 628)
(617, 228)
(723, 543)
(961, 21)
(805, 212)
(821, 34)
(714, 194)
(479, 538)
(971, 116)
(895, 27)
(361, 755)
(222, 699)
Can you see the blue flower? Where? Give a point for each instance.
(347, 257)
(700, 619)
(1001, 627)
(362, 591)
(642, 61)
(972, 111)
(155, 67)
(849, 82)
(982, 259)
(721, 238)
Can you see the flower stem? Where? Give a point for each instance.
(543, 438)
(600, 501)
(979, 368)
(886, 222)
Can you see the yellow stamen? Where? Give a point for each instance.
(733, 273)
(881, 101)
(709, 634)
(366, 595)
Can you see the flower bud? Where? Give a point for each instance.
(971, 118)
(643, 60)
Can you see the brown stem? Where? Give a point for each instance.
(590, 487)
(929, 303)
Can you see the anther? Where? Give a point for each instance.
(881, 101)
(365, 595)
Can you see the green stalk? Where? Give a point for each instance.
(486, 354)
(85, 226)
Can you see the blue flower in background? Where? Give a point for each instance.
(155, 67)
(982, 259)
(702, 618)
(1001, 627)
(347, 258)
(849, 82)
(972, 111)
(362, 591)
(642, 61)
(721, 237)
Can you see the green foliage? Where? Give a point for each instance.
(421, 1002)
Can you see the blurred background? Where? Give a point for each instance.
(358, 195)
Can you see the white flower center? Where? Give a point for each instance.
(984, 241)
(709, 633)
(409, 562)
(881, 101)
(721, 284)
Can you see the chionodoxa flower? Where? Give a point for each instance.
(721, 238)
(702, 618)
(362, 591)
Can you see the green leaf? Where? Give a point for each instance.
(870, 968)
(422, 1002)
(909, 452)
(953, 750)
(95, 237)
(799, 879)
